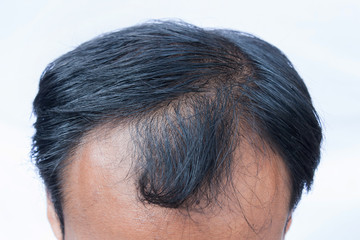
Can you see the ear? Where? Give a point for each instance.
(53, 218)
(288, 223)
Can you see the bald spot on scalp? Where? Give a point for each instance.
(101, 199)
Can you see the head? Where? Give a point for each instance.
(169, 131)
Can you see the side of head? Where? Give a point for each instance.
(185, 110)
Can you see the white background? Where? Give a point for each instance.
(321, 38)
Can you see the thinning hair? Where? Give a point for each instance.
(191, 93)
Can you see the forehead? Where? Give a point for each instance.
(101, 199)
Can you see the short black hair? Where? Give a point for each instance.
(190, 92)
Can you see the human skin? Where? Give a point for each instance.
(101, 200)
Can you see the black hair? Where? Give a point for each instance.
(191, 93)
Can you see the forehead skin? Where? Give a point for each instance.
(101, 200)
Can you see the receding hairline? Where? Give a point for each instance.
(285, 109)
(232, 201)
